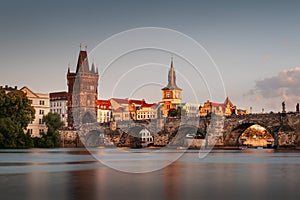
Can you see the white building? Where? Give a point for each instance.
(147, 111)
(59, 104)
(41, 104)
(191, 109)
(103, 111)
(146, 135)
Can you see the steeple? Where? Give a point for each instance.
(172, 78)
(82, 63)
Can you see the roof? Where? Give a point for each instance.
(148, 105)
(120, 109)
(138, 102)
(120, 101)
(217, 105)
(104, 104)
(171, 79)
(228, 101)
(58, 96)
(83, 64)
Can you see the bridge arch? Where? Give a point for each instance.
(233, 136)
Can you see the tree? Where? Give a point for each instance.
(52, 138)
(173, 112)
(15, 115)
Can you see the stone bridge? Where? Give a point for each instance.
(284, 127)
(218, 131)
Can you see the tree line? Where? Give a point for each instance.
(16, 113)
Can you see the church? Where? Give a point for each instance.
(171, 94)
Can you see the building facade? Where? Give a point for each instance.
(82, 92)
(147, 112)
(171, 94)
(227, 108)
(41, 104)
(190, 109)
(59, 105)
(104, 111)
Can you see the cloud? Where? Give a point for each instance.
(285, 84)
(270, 92)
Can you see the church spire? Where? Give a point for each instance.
(172, 78)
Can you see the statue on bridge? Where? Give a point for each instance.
(283, 107)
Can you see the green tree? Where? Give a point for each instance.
(52, 138)
(173, 112)
(15, 115)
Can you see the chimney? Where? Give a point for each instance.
(6, 87)
(16, 87)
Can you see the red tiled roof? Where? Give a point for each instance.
(104, 104)
(148, 105)
(217, 105)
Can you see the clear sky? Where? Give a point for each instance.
(255, 45)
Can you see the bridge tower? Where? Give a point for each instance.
(82, 92)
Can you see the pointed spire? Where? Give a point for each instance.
(93, 68)
(172, 78)
(82, 63)
(97, 70)
(69, 68)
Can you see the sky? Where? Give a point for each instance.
(248, 50)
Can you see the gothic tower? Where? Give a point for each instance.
(82, 92)
(171, 94)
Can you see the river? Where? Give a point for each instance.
(220, 174)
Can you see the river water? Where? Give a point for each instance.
(76, 174)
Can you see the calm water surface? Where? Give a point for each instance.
(75, 174)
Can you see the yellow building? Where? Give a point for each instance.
(171, 94)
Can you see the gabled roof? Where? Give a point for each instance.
(28, 92)
(228, 101)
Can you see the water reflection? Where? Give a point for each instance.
(221, 175)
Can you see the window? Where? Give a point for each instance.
(41, 131)
(29, 131)
(42, 112)
(168, 95)
(41, 121)
(42, 102)
(30, 101)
